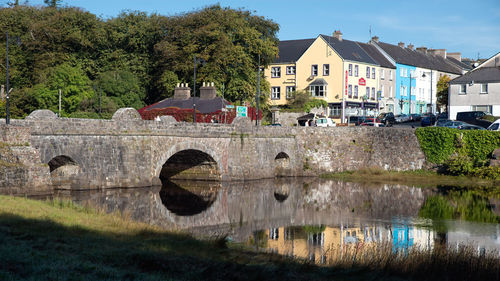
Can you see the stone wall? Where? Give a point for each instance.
(21, 171)
(131, 153)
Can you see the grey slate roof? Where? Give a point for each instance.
(292, 50)
(373, 52)
(479, 75)
(459, 63)
(419, 59)
(349, 50)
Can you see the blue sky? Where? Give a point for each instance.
(466, 26)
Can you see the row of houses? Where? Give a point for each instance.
(357, 78)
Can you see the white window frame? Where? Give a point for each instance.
(373, 93)
(382, 95)
(350, 69)
(382, 74)
(289, 90)
(480, 108)
(321, 93)
(463, 89)
(390, 74)
(276, 72)
(290, 70)
(402, 72)
(373, 72)
(349, 91)
(275, 93)
(367, 72)
(355, 94)
(483, 88)
(367, 92)
(314, 70)
(356, 70)
(326, 69)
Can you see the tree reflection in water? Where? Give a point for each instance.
(188, 198)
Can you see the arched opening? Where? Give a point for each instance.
(281, 165)
(63, 171)
(188, 198)
(190, 164)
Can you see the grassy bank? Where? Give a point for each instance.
(422, 178)
(61, 241)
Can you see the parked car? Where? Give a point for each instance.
(402, 118)
(450, 123)
(373, 124)
(325, 122)
(356, 120)
(386, 118)
(474, 118)
(495, 126)
(442, 122)
(428, 120)
(415, 117)
(470, 127)
(443, 115)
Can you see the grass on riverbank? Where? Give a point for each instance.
(418, 178)
(61, 241)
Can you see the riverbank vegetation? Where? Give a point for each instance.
(130, 60)
(59, 240)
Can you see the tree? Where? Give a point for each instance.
(52, 3)
(442, 91)
(302, 101)
(122, 87)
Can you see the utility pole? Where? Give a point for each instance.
(100, 94)
(59, 103)
(7, 119)
(257, 96)
(194, 91)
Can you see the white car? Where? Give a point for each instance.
(495, 126)
(325, 122)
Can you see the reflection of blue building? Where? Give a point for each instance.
(402, 237)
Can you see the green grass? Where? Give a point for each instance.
(58, 240)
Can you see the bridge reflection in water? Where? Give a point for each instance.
(308, 218)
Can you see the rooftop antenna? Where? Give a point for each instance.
(370, 32)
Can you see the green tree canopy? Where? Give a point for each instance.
(442, 90)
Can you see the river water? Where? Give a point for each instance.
(307, 217)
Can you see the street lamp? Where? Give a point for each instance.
(257, 97)
(423, 75)
(196, 61)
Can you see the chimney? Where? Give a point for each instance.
(375, 39)
(401, 44)
(208, 91)
(337, 34)
(456, 55)
(438, 52)
(422, 49)
(410, 46)
(182, 92)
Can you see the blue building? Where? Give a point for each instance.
(405, 97)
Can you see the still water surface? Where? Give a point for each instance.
(307, 218)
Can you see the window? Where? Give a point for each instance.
(326, 69)
(382, 91)
(390, 74)
(373, 72)
(483, 108)
(412, 91)
(318, 90)
(484, 89)
(289, 91)
(402, 72)
(406, 72)
(390, 91)
(274, 233)
(373, 93)
(382, 74)
(314, 70)
(356, 91)
(276, 93)
(275, 72)
(349, 91)
(335, 110)
(356, 70)
(463, 89)
(367, 72)
(367, 92)
(350, 69)
(290, 70)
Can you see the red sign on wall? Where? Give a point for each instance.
(346, 82)
(362, 82)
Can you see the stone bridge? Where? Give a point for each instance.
(128, 152)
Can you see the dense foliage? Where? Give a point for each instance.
(460, 152)
(131, 60)
(301, 101)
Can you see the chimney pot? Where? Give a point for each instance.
(410, 46)
(422, 49)
(401, 44)
(375, 39)
(337, 34)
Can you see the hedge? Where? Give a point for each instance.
(439, 143)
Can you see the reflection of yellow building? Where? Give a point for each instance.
(318, 246)
(330, 68)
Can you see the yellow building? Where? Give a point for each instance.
(330, 68)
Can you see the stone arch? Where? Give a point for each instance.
(189, 160)
(188, 198)
(282, 165)
(63, 171)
